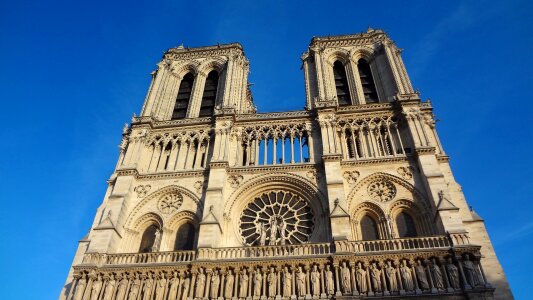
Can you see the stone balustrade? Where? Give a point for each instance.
(265, 251)
(138, 258)
(432, 242)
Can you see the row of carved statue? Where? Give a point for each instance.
(314, 280)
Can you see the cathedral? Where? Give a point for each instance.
(352, 197)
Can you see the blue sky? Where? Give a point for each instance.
(72, 72)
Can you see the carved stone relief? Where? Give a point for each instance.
(405, 172)
(381, 190)
(170, 202)
(351, 176)
(235, 180)
(142, 190)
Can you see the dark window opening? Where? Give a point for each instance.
(367, 81)
(406, 225)
(210, 94)
(369, 229)
(341, 84)
(184, 95)
(148, 239)
(185, 237)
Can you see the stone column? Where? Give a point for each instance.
(337, 282)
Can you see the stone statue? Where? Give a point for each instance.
(148, 287)
(287, 282)
(215, 284)
(174, 283)
(157, 241)
(390, 272)
(110, 288)
(470, 271)
(453, 274)
(135, 287)
(315, 281)
(283, 232)
(160, 287)
(125, 128)
(345, 279)
(243, 283)
(200, 283)
(228, 288)
(80, 287)
(300, 282)
(186, 285)
(376, 278)
(361, 278)
(330, 285)
(437, 275)
(389, 226)
(272, 279)
(273, 232)
(407, 277)
(261, 227)
(422, 277)
(97, 286)
(258, 278)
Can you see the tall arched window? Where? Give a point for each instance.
(185, 237)
(184, 95)
(148, 239)
(341, 84)
(406, 225)
(210, 94)
(369, 229)
(367, 81)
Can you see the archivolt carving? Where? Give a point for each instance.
(368, 207)
(212, 64)
(182, 69)
(417, 196)
(404, 204)
(156, 195)
(181, 217)
(333, 54)
(147, 219)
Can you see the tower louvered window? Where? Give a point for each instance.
(210, 94)
(341, 84)
(184, 96)
(367, 81)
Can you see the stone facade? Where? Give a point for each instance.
(351, 197)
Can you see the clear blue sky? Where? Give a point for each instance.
(72, 72)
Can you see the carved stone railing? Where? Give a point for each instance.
(264, 251)
(431, 242)
(138, 258)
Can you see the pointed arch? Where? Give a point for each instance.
(341, 83)
(209, 96)
(184, 97)
(367, 81)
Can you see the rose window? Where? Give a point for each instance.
(276, 218)
(170, 202)
(382, 190)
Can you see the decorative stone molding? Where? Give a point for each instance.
(235, 180)
(170, 202)
(382, 190)
(405, 172)
(351, 176)
(142, 190)
(312, 174)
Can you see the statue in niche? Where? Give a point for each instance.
(390, 271)
(273, 231)
(422, 277)
(287, 282)
(148, 286)
(258, 278)
(97, 286)
(243, 283)
(345, 278)
(262, 229)
(470, 271)
(80, 287)
(407, 277)
(160, 287)
(437, 275)
(215, 284)
(200, 283)
(330, 285)
(283, 232)
(361, 278)
(315, 281)
(228, 289)
(376, 278)
(174, 283)
(186, 285)
(272, 279)
(109, 288)
(157, 241)
(389, 226)
(135, 287)
(300, 282)
(453, 274)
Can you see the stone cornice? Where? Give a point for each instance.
(207, 51)
(153, 123)
(273, 168)
(374, 161)
(166, 175)
(363, 38)
(275, 115)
